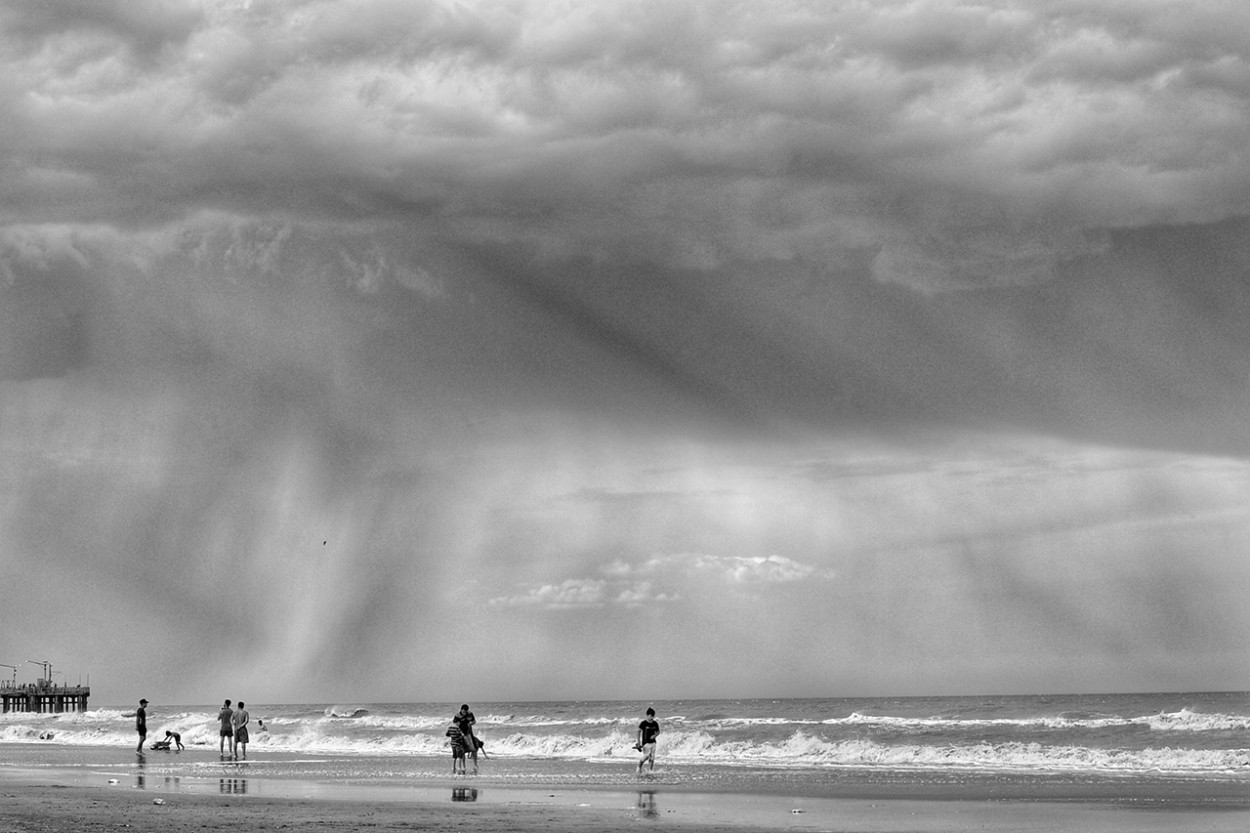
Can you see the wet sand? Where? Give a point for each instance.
(39, 802)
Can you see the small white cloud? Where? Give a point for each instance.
(580, 593)
(772, 569)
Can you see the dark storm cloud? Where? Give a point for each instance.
(971, 145)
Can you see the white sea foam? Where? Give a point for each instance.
(1182, 721)
(801, 749)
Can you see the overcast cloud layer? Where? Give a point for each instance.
(821, 348)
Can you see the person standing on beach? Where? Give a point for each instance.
(239, 721)
(141, 724)
(227, 729)
(465, 721)
(648, 729)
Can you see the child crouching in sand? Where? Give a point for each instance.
(457, 741)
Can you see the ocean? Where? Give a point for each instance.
(1195, 745)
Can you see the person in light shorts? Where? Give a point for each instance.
(239, 721)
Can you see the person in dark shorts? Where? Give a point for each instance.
(175, 738)
(227, 728)
(141, 723)
(648, 729)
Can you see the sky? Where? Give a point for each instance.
(377, 350)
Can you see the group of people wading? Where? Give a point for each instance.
(460, 736)
(463, 742)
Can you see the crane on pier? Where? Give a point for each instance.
(47, 670)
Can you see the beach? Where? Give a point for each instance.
(1107, 764)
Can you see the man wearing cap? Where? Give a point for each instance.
(141, 724)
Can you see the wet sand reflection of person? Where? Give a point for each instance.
(233, 786)
(647, 808)
(464, 794)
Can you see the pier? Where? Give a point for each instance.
(42, 696)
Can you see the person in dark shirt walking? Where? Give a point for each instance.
(648, 729)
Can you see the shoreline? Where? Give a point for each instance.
(331, 770)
